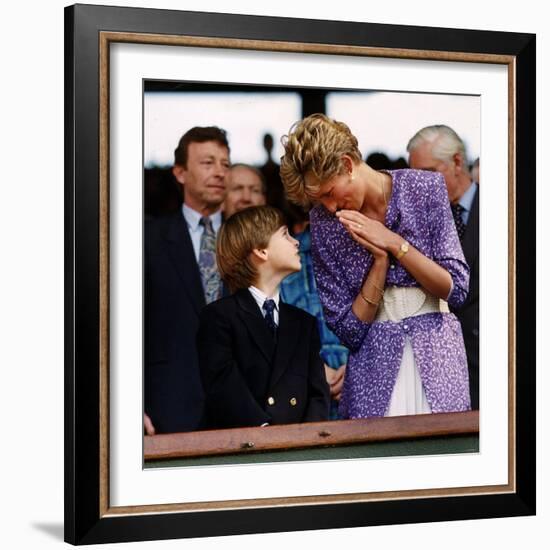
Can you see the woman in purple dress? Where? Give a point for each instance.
(387, 262)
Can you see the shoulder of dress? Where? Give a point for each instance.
(322, 220)
(420, 183)
(318, 212)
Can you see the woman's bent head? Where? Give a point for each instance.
(315, 145)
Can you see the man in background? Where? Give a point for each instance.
(245, 187)
(180, 277)
(440, 149)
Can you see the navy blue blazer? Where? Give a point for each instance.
(173, 299)
(248, 377)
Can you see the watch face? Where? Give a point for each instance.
(403, 249)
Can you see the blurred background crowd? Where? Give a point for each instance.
(255, 119)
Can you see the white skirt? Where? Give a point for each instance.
(408, 396)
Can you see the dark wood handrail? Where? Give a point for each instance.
(314, 434)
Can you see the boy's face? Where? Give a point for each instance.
(282, 252)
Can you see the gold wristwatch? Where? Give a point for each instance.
(403, 249)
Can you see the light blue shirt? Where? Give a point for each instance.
(261, 297)
(192, 218)
(466, 202)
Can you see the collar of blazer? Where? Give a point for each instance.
(288, 334)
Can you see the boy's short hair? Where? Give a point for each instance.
(239, 235)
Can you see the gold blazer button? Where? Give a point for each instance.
(293, 401)
(270, 401)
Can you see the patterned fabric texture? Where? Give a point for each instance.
(419, 211)
(210, 276)
(457, 210)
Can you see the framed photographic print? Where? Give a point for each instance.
(136, 81)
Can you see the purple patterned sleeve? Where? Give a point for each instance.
(446, 247)
(333, 289)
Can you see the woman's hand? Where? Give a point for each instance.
(378, 239)
(369, 233)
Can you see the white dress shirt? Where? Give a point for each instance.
(261, 297)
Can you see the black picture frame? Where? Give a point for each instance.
(88, 518)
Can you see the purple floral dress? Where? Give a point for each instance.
(419, 211)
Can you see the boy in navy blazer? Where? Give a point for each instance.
(259, 357)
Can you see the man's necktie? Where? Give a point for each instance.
(457, 210)
(210, 276)
(268, 307)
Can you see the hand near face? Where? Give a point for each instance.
(369, 233)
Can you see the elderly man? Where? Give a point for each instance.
(246, 187)
(439, 148)
(180, 277)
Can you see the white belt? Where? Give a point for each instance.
(398, 303)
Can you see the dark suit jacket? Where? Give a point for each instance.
(248, 377)
(173, 300)
(468, 314)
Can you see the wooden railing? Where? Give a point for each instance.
(314, 434)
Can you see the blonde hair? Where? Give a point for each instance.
(239, 235)
(315, 144)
